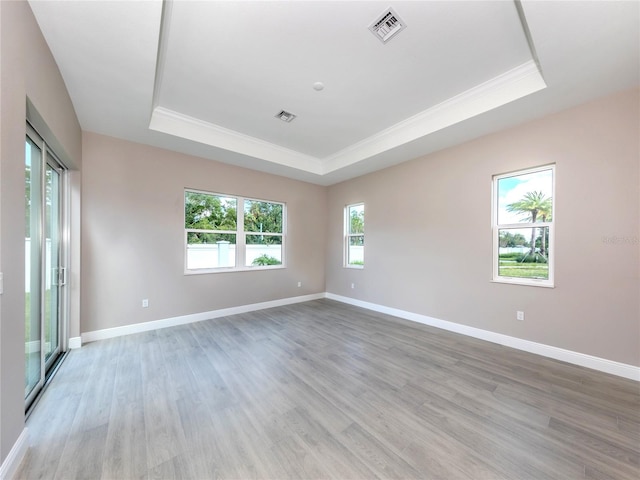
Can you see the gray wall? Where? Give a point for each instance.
(27, 70)
(439, 209)
(133, 235)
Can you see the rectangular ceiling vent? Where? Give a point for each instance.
(285, 116)
(387, 25)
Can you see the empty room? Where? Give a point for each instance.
(319, 239)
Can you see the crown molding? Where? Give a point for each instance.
(505, 88)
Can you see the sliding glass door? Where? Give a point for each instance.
(33, 330)
(53, 271)
(44, 266)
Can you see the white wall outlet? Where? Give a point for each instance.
(353, 285)
(1, 283)
(519, 315)
(299, 284)
(145, 302)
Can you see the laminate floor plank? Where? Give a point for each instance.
(125, 454)
(88, 465)
(335, 457)
(94, 408)
(295, 460)
(268, 405)
(506, 457)
(175, 467)
(325, 390)
(164, 435)
(58, 405)
(205, 448)
(384, 462)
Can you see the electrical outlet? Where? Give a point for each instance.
(299, 284)
(353, 285)
(145, 302)
(519, 315)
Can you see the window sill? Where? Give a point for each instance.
(357, 267)
(524, 282)
(204, 271)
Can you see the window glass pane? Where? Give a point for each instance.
(356, 219)
(33, 260)
(263, 250)
(209, 212)
(523, 252)
(262, 216)
(525, 198)
(210, 250)
(356, 250)
(52, 261)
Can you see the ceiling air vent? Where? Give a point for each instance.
(387, 25)
(285, 116)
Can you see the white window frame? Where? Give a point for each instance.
(239, 232)
(536, 282)
(348, 235)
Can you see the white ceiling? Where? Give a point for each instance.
(207, 78)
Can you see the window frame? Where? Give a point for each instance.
(239, 232)
(549, 282)
(348, 235)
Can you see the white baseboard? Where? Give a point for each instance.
(576, 358)
(569, 356)
(11, 464)
(195, 317)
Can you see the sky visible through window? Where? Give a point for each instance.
(513, 189)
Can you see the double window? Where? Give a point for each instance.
(225, 232)
(523, 226)
(354, 235)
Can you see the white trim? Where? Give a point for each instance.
(178, 124)
(11, 464)
(75, 342)
(511, 85)
(496, 227)
(204, 271)
(348, 235)
(531, 282)
(576, 358)
(195, 317)
(596, 363)
(240, 234)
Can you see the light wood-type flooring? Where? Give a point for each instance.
(326, 390)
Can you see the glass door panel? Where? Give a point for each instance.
(33, 262)
(51, 264)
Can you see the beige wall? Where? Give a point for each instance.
(27, 69)
(437, 208)
(133, 234)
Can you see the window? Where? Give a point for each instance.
(225, 233)
(263, 227)
(523, 226)
(354, 235)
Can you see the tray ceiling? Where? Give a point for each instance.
(209, 78)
